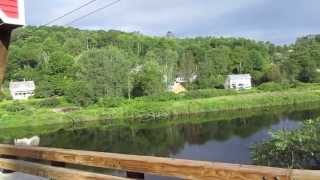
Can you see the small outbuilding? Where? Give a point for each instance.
(177, 88)
(238, 81)
(22, 90)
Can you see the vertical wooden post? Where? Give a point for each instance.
(6, 171)
(5, 34)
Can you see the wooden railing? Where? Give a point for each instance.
(135, 166)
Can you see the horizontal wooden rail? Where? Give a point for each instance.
(52, 172)
(185, 169)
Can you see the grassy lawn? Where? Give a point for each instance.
(34, 115)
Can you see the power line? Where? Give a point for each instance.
(70, 12)
(95, 11)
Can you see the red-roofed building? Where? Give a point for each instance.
(11, 16)
(12, 13)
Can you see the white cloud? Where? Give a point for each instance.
(277, 21)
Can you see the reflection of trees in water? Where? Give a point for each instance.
(224, 130)
(121, 140)
(160, 141)
(307, 114)
(161, 138)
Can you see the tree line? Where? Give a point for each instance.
(85, 65)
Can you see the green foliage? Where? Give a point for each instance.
(49, 102)
(208, 93)
(16, 106)
(273, 74)
(129, 65)
(148, 80)
(295, 149)
(111, 102)
(167, 96)
(273, 86)
(105, 71)
(5, 95)
(80, 93)
(152, 109)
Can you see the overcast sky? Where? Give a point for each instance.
(278, 21)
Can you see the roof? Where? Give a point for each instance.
(12, 12)
(22, 86)
(239, 76)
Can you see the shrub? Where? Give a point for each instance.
(166, 96)
(15, 107)
(80, 93)
(306, 86)
(110, 102)
(50, 102)
(295, 149)
(273, 86)
(4, 95)
(207, 93)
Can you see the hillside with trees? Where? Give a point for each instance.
(87, 65)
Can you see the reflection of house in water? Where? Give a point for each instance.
(238, 81)
(22, 90)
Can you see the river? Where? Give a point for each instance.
(208, 139)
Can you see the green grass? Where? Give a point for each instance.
(137, 110)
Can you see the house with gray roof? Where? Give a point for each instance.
(238, 81)
(22, 90)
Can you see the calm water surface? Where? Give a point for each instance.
(225, 140)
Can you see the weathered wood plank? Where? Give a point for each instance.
(305, 175)
(5, 35)
(153, 165)
(7, 171)
(52, 172)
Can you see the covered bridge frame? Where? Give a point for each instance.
(12, 15)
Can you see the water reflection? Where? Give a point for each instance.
(218, 140)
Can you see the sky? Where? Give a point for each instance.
(277, 21)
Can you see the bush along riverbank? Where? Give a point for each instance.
(295, 149)
(150, 110)
(7, 134)
(42, 112)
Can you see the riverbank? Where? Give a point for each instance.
(138, 110)
(200, 138)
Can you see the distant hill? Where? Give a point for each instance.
(52, 55)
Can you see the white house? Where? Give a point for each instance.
(182, 79)
(238, 81)
(22, 90)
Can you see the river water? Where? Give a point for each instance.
(210, 137)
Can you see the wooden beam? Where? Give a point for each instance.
(52, 172)
(5, 34)
(153, 165)
(7, 171)
(305, 175)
